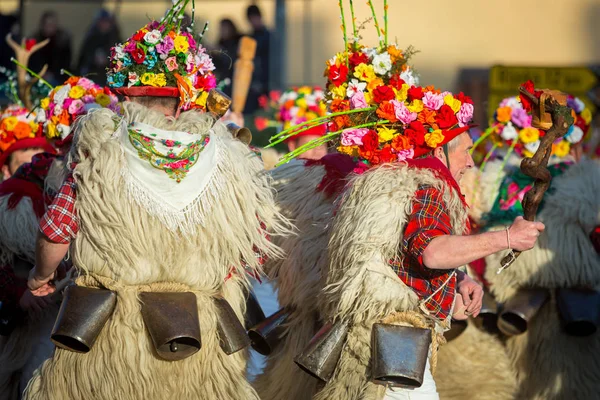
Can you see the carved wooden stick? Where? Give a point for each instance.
(22, 56)
(536, 166)
(242, 73)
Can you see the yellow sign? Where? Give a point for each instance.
(573, 80)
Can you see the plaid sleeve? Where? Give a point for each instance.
(428, 220)
(60, 223)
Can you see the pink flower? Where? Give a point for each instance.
(204, 63)
(88, 98)
(67, 103)
(165, 46)
(352, 137)
(76, 107)
(171, 63)
(85, 83)
(405, 154)
(189, 63)
(402, 113)
(131, 46)
(433, 101)
(520, 118)
(191, 40)
(169, 143)
(360, 168)
(358, 101)
(465, 114)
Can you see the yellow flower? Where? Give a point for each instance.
(181, 44)
(375, 83)
(586, 114)
(433, 139)
(402, 94)
(159, 80)
(452, 102)
(529, 135)
(364, 72)
(527, 153)
(322, 108)
(103, 99)
(51, 130)
(302, 103)
(386, 134)
(201, 100)
(33, 125)
(503, 114)
(10, 123)
(346, 150)
(45, 103)
(369, 98)
(304, 90)
(416, 106)
(338, 92)
(310, 116)
(76, 92)
(561, 149)
(147, 78)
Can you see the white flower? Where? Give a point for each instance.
(354, 87)
(61, 95)
(40, 117)
(133, 79)
(58, 110)
(532, 147)
(64, 130)
(119, 52)
(370, 51)
(163, 56)
(512, 102)
(382, 63)
(575, 135)
(333, 60)
(153, 36)
(291, 95)
(509, 132)
(204, 63)
(579, 105)
(409, 77)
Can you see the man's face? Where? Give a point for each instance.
(460, 156)
(18, 158)
(313, 154)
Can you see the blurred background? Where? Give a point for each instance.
(459, 42)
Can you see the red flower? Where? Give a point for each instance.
(138, 55)
(263, 101)
(463, 98)
(445, 117)
(386, 155)
(29, 43)
(415, 92)
(530, 87)
(338, 75)
(261, 123)
(396, 81)
(580, 122)
(138, 36)
(358, 58)
(383, 93)
(370, 141)
(416, 133)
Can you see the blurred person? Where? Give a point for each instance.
(57, 54)
(8, 24)
(260, 78)
(95, 49)
(229, 39)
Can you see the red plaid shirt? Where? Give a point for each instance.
(60, 223)
(429, 219)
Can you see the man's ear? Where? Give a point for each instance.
(439, 153)
(292, 145)
(6, 172)
(127, 98)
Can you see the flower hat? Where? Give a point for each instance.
(66, 102)
(19, 131)
(379, 113)
(300, 105)
(162, 60)
(511, 128)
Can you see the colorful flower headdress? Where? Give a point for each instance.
(162, 60)
(511, 128)
(66, 102)
(18, 130)
(301, 105)
(379, 113)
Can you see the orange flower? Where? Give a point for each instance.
(22, 130)
(342, 121)
(289, 104)
(172, 34)
(374, 84)
(386, 111)
(503, 114)
(64, 118)
(340, 105)
(395, 53)
(400, 143)
(427, 117)
(72, 81)
(432, 89)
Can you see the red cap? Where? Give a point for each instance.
(448, 136)
(138, 91)
(319, 130)
(28, 143)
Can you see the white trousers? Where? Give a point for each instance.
(427, 391)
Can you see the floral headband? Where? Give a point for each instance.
(301, 105)
(379, 114)
(162, 60)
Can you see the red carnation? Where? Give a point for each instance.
(383, 93)
(396, 81)
(29, 43)
(416, 133)
(580, 122)
(138, 55)
(415, 93)
(370, 141)
(445, 117)
(138, 36)
(386, 155)
(530, 87)
(463, 98)
(338, 75)
(358, 58)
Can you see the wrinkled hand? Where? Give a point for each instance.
(524, 234)
(471, 294)
(31, 303)
(40, 286)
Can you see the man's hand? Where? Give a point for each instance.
(32, 303)
(523, 234)
(471, 293)
(40, 286)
